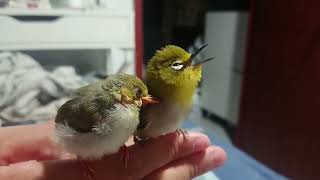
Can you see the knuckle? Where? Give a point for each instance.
(173, 147)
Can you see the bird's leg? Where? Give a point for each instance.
(184, 133)
(138, 140)
(87, 170)
(124, 155)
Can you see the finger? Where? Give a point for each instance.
(191, 166)
(23, 170)
(29, 142)
(23, 132)
(143, 160)
(158, 152)
(49, 170)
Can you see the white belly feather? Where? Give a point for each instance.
(164, 118)
(122, 123)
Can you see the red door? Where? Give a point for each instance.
(280, 110)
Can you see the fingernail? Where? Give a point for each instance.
(200, 142)
(217, 155)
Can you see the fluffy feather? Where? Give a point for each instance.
(99, 118)
(165, 117)
(105, 138)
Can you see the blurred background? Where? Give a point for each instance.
(259, 99)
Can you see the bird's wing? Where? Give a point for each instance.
(82, 119)
(90, 105)
(85, 110)
(73, 115)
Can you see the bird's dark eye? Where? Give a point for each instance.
(138, 92)
(177, 65)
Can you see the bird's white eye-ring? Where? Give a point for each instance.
(177, 65)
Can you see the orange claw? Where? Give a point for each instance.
(149, 100)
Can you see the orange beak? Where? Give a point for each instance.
(149, 100)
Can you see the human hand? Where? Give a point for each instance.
(28, 153)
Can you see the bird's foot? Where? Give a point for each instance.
(138, 140)
(87, 170)
(124, 155)
(184, 133)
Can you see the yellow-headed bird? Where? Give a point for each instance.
(172, 77)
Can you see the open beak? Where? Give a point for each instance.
(203, 61)
(149, 100)
(192, 58)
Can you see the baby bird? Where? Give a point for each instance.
(99, 118)
(172, 77)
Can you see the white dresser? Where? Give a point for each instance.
(111, 31)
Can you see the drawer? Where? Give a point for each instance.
(111, 30)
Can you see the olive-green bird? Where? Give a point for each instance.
(100, 117)
(172, 76)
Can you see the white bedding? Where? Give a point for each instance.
(29, 92)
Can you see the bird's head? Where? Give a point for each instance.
(174, 66)
(134, 91)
